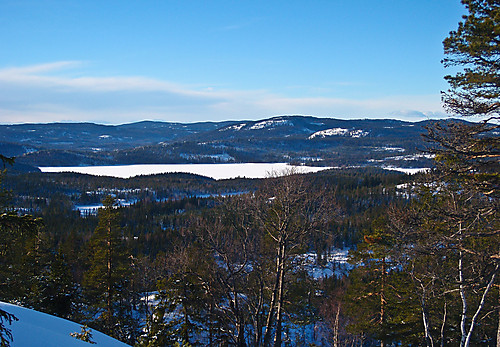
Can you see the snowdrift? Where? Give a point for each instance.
(42, 330)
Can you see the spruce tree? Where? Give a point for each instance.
(5, 333)
(16, 233)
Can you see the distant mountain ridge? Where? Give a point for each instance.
(298, 139)
(88, 136)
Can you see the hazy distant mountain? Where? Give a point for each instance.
(300, 139)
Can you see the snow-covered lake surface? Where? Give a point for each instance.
(216, 171)
(42, 330)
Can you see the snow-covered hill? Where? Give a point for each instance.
(42, 330)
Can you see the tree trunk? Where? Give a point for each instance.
(240, 324)
(257, 316)
(443, 325)
(480, 306)
(109, 284)
(279, 309)
(464, 301)
(382, 300)
(210, 327)
(498, 327)
(428, 338)
(185, 331)
(272, 305)
(336, 328)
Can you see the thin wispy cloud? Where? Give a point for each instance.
(46, 74)
(48, 67)
(61, 91)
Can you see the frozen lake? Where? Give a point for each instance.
(216, 171)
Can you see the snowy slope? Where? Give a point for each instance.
(42, 330)
(270, 123)
(339, 132)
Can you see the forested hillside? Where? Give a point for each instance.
(290, 139)
(193, 246)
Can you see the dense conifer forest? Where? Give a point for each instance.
(204, 248)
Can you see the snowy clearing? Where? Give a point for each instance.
(42, 330)
(270, 124)
(215, 171)
(236, 127)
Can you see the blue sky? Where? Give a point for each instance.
(116, 62)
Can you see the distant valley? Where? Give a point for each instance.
(293, 139)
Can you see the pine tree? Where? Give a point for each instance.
(472, 150)
(475, 47)
(378, 298)
(106, 280)
(467, 175)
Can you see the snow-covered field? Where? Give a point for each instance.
(216, 171)
(42, 330)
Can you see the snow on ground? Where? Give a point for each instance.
(150, 298)
(329, 132)
(358, 133)
(42, 330)
(87, 210)
(234, 127)
(411, 157)
(389, 149)
(335, 263)
(409, 171)
(270, 124)
(338, 132)
(216, 171)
